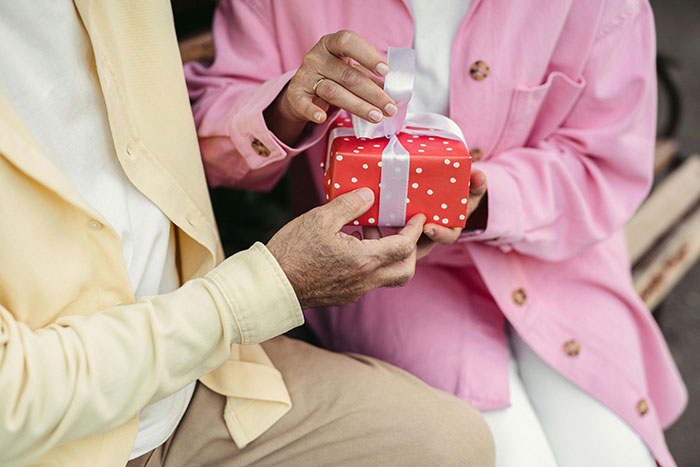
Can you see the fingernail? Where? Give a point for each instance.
(365, 193)
(430, 233)
(390, 109)
(382, 69)
(375, 115)
(318, 116)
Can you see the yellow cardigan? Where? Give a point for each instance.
(67, 372)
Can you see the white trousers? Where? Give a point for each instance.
(551, 422)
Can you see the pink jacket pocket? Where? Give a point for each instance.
(537, 111)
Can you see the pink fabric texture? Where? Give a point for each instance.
(566, 121)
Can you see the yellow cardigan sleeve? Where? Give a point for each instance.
(85, 375)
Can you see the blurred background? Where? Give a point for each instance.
(663, 236)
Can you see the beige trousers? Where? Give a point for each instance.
(349, 410)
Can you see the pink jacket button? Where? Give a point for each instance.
(572, 348)
(479, 70)
(642, 407)
(519, 297)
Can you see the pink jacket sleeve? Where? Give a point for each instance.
(229, 98)
(583, 182)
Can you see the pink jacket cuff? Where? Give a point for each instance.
(248, 124)
(504, 225)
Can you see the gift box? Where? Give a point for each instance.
(415, 164)
(437, 182)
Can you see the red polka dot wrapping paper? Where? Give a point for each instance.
(438, 181)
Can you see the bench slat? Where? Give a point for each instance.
(675, 195)
(668, 263)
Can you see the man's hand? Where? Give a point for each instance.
(477, 191)
(327, 267)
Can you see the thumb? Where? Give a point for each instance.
(349, 206)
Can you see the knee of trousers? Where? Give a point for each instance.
(469, 442)
(447, 432)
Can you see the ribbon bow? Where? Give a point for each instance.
(396, 158)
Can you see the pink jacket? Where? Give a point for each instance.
(565, 121)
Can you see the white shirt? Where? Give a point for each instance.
(436, 24)
(49, 76)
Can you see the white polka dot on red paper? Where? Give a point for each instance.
(456, 165)
(419, 170)
(443, 206)
(463, 201)
(421, 150)
(415, 185)
(448, 149)
(447, 162)
(423, 144)
(322, 165)
(445, 220)
(353, 180)
(430, 192)
(436, 218)
(461, 217)
(339, 157)
(355, 151)
(453, 180)
(445, 142)
(336, 185)
(371, 220)
(365, 166)
(356, 222)
(360, 147)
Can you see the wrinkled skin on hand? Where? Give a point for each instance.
(327, 267)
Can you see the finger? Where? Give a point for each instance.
(307, 106)
(337, 95)
(375, 79)
(442, 234)
(350, 44)
(371, 233)
(398, 247)
(477, 183)
(474, 202)
(413, 228)
(424, 246)
(477, 191)
(317, 101)
(346, 207)
(398, 273)
(355, 81)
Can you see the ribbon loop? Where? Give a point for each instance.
(399, 86)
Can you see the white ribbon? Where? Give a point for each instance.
(395, 158)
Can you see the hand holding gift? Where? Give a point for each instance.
(342, 70)
(415, 164)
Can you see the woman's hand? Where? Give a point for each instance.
(341, 70)
(477, 191)
(433, 233)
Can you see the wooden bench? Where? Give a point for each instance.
(663, 235)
